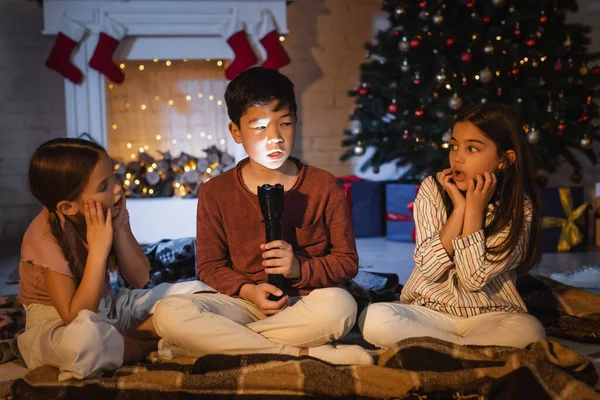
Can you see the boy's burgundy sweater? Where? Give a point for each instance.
(316, 222)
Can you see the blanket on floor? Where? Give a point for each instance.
(414, 368)
(565, 311)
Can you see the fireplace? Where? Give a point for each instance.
(173, 57)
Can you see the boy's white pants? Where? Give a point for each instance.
(92, 343)
(385, 324)
(215, 323)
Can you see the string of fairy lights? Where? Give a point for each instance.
(170, 101)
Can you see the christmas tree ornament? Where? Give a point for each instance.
(583, 70)
(355, 127)
(576, 177)
(363, 91)
(596, 70)
(483, 100)
(69, 36)
(488, 49)
(517, 30)
(450, 41)
(419, 112)
(567, 42)
(359, 149)
(417, 80)
(447, 136)
(519, 100)
(485, 75)
(440, 76)
(561, 128)
(438, 19)
(534, 136)
(543, 19)
(558, 66)
(393, 107)
(399, 11)
(455, 102)
(404, 67)
(415, 43)
(530, 42)
(586, 142)
(404, 46)
(466, 57)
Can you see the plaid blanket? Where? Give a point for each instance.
(565, 311)
(415, 368)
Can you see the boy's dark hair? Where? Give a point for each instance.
(259, 86)
(516, 183)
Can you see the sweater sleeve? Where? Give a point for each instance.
(474, 269)
(430, 256)
(340, 264)
(213, 263)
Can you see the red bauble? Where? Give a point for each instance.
(423, 5)
(363, 91)
(576, 177)
(515, 71)
(392, 108)
(449, 42)
(517, 32)
(414, 42)
(542, 180)
(417, 81)
(419, 112)
(561, 129)
(558, 66)
(530, 42)
(543, 19)
(465, 57)
(596, 70)
(486, 19)
(470, 4)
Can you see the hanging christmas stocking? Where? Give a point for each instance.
(269, 38)
(239, 43)
(59, 60)
(110, 37)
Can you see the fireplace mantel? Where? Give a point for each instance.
(163, 29)
(156, 29)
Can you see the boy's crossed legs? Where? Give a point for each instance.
(201, 324)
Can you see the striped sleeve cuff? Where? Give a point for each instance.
(461, 243)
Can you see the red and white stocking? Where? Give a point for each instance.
(239, 43)
(59, 60)
(269, 38)
(110, 37)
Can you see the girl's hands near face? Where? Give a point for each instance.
(99, 230)
(480, 191)
(458, 199)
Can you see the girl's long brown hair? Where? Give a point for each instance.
(59, 170)
(515, 186)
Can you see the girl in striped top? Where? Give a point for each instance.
(477, 226)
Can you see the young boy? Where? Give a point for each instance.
(317, 252)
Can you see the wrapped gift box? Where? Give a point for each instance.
(365, 202)
(399, 201)
(564, 219)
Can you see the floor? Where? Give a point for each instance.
(375, 254)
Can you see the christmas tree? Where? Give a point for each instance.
(439, 55)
